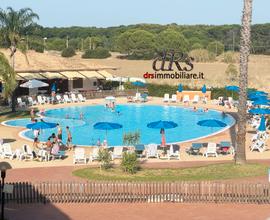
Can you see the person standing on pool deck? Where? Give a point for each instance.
(59, 132)
(69, 138)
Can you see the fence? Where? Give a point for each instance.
(154, 192)
(104, 93)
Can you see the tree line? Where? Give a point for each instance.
(142, 41)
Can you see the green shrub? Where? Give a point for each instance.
(68, 52)
(131, 138)
(38, 47)
(216, 48)
(99, 53)
(231, 73)
(130, 163)
(104, 157)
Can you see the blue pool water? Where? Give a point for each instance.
(132, 117)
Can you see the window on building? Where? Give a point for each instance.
(94, 83)
(77, 83)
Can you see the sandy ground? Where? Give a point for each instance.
(11, 134)
(140, 211)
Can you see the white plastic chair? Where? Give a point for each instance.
(79, 156)
(211, 150)
(174, 98)
(137, 97)
(166, 97)
(81, 98)
(258, 145)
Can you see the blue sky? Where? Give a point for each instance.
(106, 13)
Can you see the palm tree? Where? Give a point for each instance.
(7, 75)
(240, 156)
(12, 24)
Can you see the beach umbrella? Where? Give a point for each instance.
(180, 88)
(262, 126)
(204, 89)
(138, 84)
(212, 123)
(232, 88)
(107, 126)
(41, 125)
(260, 111)
(257, 93)
(162, 125)
(261, 102)
(31, 84)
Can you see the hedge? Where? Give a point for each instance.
(68, 52)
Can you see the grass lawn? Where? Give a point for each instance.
(6, 114)
(210, 172)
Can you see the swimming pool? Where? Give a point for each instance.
(133, 118)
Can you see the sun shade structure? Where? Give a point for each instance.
(41, 125)
(52, 75)
(107, 126)
(29, 76)
(31, 84)
(232, 88)
(92, 74)
(260, 111)
(105, 73)
(262, 126)
(72, 74)
(212, 123)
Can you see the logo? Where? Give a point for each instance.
(173, 59)
(173, 65)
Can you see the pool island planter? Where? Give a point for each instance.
(143, 192)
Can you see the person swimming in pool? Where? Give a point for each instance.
(81, 116)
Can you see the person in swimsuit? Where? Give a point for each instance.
(69, 138)
(59, 132)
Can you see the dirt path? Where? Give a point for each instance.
(140, 211)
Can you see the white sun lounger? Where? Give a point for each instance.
(21, 103)
(7, 152)
(211, 150)
(73, 98)
(196, 99)
(81, 98)
(151, 151)
(27, 153)
(174, 98)
(66, 99)
(117, 152)
(31, 101)
(173, 154)
(258, 145)
(59, 99)
(166, 97)
(40, 100)
(79, 156)
(186, 99)
(137, 97)
(94, 155)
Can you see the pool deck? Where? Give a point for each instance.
(12, 135)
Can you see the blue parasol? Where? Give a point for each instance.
(107, 126)
(41, 125)
(211, 123)
(204, 89)
(180, 88)
(262, 126)
(260, 111)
